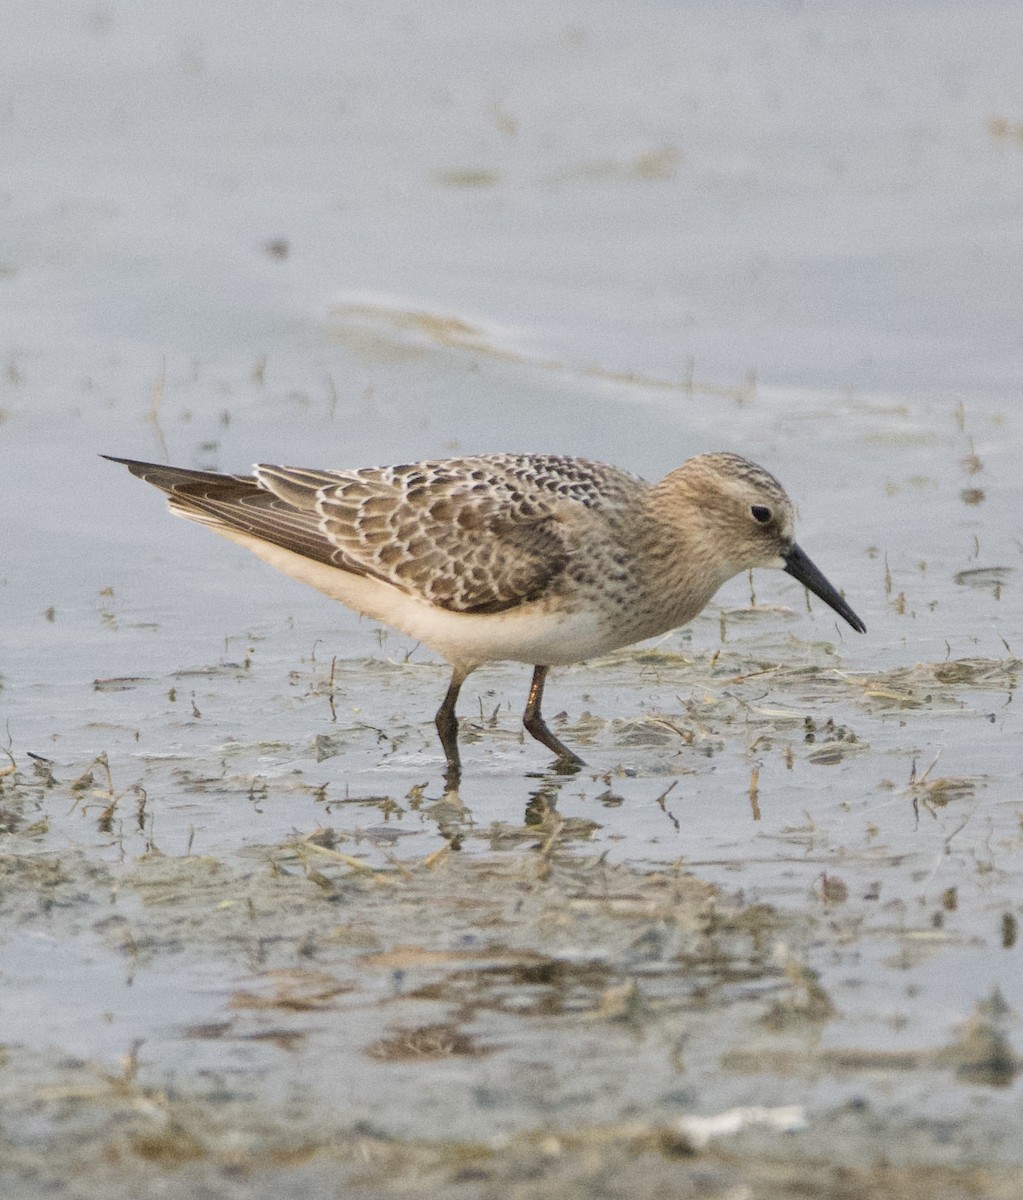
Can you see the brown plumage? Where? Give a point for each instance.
(535, 558)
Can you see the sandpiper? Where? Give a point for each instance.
(532, 558)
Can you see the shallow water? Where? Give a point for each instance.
(386, 238)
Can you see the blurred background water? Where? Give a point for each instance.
(348, 235)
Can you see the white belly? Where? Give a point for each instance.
(537, 633)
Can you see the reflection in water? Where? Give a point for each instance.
(542, 803)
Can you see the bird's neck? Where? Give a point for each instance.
(682, 561)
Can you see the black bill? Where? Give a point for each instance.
(800, 566)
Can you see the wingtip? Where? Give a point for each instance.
(137, 467)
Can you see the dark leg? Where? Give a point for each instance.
(535, 724)
(447, 727)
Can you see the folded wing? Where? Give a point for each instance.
(461, 533)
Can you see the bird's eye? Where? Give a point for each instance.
(761, 513)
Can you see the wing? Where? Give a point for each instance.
(471, 535)
(463, 534)
(235, 503)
